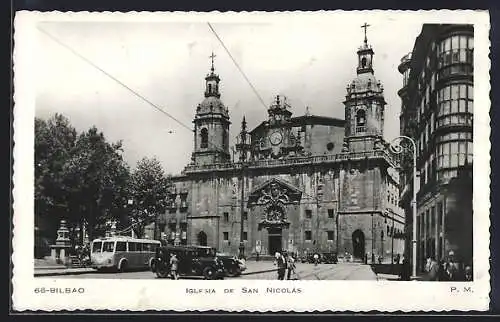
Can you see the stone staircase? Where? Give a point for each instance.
(75, 262)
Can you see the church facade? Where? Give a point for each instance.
(299, 183)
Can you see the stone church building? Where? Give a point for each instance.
(300, 183)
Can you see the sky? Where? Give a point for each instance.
(83, 67)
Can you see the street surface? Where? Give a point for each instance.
(341, 271)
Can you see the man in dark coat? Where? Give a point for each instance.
(281, 263)
(432, 268)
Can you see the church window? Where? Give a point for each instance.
(360, 121)
(210, 88)
(363, 62)
(224, 139)
(308, 235)
(308, 213)
(245, 215)
(226, 236)
(329, 146)
(204, 138)
(330, 213)
(330, 234)
(245, 235)
(226, 217)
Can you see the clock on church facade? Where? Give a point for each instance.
(306, 183)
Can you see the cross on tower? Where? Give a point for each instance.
(212, 57)
(365, 26)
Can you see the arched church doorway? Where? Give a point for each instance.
(275, 238)
(358, 244)
(202, 238)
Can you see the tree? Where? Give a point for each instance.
(148, 189)
(97, 177)
(55, 140)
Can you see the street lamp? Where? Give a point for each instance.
(396, 147)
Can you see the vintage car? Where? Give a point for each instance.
(192, 261)
(329, 258)
(309, 258)
(232, 265)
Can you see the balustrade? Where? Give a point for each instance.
(291, 161)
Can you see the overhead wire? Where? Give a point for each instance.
(122, 84)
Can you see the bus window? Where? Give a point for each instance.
(146, 247)
(139, 247)
(108, 247)
(121, 246)
(132, 247)
(96, 247)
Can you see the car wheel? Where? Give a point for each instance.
(232, 272)
(162, 271)
(209, 273)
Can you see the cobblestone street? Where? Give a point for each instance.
(261, 271)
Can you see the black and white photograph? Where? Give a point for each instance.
(241, 159)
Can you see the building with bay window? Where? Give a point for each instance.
(437, 112)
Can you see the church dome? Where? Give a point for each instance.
(212, 104)
(364, 83)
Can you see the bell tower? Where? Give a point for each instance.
(211, 124)
(364, 104)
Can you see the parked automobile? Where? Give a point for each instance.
(309, 258)
(192, 261)
(232, 265)
(329, 258)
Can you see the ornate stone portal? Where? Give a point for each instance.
(273, 197)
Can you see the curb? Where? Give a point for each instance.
(40, 268)
(38, 274)
(259, 272)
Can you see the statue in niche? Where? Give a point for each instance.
(274, 199)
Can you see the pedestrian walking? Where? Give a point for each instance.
(405, 269)
(280, 262)
(291, 268)
(173, 266)
(442, 276)
(468, 274)
(316, 259)
(432, 268)
(452, 268)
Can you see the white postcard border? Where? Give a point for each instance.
(139, 295)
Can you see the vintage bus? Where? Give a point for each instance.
(122, 253)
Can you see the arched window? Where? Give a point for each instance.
(224, 139)
(363, 62)
(210, 88)
(204, 138)
(202, 238)
(360, 121)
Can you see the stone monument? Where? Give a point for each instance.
(60, 250)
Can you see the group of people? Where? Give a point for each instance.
(83, 254)
(286, 265)
(447, 270)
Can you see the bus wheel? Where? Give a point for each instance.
(123, 266)
(162, 271)
(209, 273)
